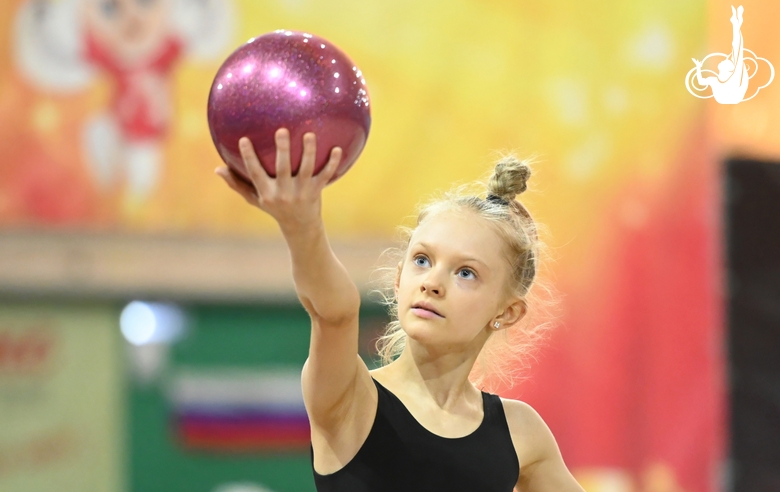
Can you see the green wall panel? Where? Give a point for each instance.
(223, 337)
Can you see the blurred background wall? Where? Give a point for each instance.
(107, 196)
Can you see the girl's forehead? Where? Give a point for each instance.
(462, 232)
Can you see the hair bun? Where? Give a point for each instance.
(509, 178)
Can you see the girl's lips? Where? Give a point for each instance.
(424, 313)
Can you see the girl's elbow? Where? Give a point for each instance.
(340, 312)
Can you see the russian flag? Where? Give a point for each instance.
(239, 410)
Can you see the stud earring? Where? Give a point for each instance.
(496, 325)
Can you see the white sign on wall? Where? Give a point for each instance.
(730, 84)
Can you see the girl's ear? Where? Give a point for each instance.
(397, 282)
(513, 313)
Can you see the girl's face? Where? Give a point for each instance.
(452, 282)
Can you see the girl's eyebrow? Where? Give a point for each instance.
(462, 258)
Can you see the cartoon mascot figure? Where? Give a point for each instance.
(61, 45)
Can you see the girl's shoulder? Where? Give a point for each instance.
(531, 436)
(521, 412)
(541, 463)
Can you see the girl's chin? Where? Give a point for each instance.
(428, 337)
(420, 334)
(434, 337)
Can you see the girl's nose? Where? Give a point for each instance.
(432, 284)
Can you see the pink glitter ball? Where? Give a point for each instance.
(293, 80)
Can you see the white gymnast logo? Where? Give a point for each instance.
(730, 84)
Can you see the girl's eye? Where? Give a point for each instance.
(420, 261)
(466, 273)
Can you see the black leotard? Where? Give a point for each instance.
(400, 455)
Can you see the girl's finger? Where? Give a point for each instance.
(309, 155)
(253, 167)
(283, 170)
(327, 173)
(238, 185)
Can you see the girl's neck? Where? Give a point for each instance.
(444, 378)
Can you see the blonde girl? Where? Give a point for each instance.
(418, 423)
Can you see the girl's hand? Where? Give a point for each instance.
(294, 201)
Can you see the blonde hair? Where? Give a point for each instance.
(508, 352)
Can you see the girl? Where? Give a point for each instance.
(416, 423)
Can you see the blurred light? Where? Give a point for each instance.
(653, 49)
(149, 322)
(241, 487)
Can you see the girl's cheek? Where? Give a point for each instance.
(466, 283)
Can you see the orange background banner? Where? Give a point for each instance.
(629, 183)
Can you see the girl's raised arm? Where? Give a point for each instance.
(325, 289)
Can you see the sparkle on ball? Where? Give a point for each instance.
(286, 81)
